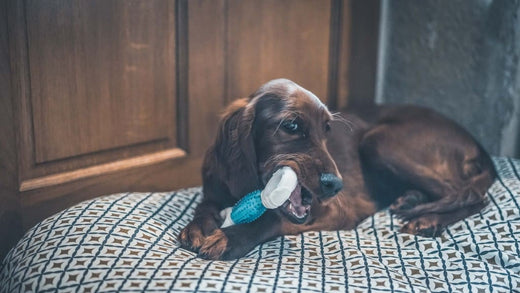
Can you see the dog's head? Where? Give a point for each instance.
(281, 124)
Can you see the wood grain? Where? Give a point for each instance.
(343, 57)
(10, 216)
(23, 70)
(166, 176)
(182, 50)
(363, 52)
(103, 169)
(102, 74)
(206, 65)
(272, 39)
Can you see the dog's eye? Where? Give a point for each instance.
(327, 126)
(291, 126)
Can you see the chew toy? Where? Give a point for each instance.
(254, 204)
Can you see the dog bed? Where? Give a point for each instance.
(127, 243)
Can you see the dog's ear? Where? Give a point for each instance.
(235, 149)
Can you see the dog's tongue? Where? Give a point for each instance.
(296, 196)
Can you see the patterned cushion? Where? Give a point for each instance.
(127, 242)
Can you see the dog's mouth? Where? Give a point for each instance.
(298, 206)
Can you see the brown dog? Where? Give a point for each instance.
(348, 167)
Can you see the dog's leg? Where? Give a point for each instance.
(452, 174)
(432, 225)
(444, 195)
(409, 200)
(235, 241)
(205, 221)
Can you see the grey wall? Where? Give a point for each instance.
(461, 57)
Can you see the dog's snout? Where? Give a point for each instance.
(330, 184)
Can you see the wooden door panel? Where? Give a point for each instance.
(97, 87)
(271, 39)
(206, 69)
(102, 74)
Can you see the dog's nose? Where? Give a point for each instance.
(330, 184)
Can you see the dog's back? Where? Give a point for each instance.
(436, 168)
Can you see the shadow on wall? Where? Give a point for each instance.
(461, 58)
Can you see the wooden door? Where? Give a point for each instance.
(97, 99)
(124, 95)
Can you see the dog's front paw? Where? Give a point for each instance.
(226, 244)
(214, 246)
(191, 237)
(426, 226)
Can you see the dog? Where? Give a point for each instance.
(425, 167)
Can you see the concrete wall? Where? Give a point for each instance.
(460, 57)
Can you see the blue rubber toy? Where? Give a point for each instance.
(249, 208)
(254, 204)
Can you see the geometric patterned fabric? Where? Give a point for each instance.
(127, 243)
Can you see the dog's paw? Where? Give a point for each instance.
(226, 244)
(191, 237)
(426, 226)
(214, 246)
(403, 205)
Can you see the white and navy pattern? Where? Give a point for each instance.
(127, 243)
